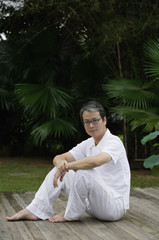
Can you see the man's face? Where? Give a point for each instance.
(97, 128)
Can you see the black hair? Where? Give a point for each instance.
(92, 106)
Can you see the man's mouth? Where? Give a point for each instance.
(92, 130)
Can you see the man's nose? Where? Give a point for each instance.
(91, 124)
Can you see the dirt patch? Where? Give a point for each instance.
(141, 172)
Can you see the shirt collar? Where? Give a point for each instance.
(102, 141)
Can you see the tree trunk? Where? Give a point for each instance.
(124, 117)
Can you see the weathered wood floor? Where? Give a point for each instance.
(140, 222)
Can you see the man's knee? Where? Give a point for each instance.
(83, 177)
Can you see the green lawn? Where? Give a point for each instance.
(27, 174)
(143, 178)
(23, 174)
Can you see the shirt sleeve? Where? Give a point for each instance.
(115, 149)
(79, 151)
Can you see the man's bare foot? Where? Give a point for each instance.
(58, 218)
(23, 215)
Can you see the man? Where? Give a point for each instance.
(100, 184)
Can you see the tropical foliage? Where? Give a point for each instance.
(44, 103)
(152, 162)
(139, 101)
(57, 55)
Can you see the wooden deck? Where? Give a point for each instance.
(140, 222)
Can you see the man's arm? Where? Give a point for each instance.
(84, 163)
(61, 161)
(90, 162)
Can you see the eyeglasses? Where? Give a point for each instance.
(94, 122)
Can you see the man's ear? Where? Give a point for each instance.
(105, 120)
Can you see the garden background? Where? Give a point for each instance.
(56, 55)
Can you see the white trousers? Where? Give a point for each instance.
(86, 191)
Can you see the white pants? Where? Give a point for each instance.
(86, 191)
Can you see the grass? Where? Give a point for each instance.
(143, 178)
(23, 174)
(27, 174)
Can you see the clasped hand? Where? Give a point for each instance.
(62, 168)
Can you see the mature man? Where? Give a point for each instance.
(101, 183)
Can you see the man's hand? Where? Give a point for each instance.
(62, 166)
(57, 175)
(61, 161)
(62, 169)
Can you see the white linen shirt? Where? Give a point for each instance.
(116, 173)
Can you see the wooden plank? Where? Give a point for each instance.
(18, 230)
(77, 228)
(94, 227)
(134, 230)
(9, 227)
(138, 212)
(152, 192)
(47, 230)
(143, 195)
(87, 227)
(27, 196)
(106, 230)
(19, 200)
(66, 231)
(140, 222)
(116, 231)
(34, 230)
(80, 229)
(144, 224)
(4, 233)
(145, 206)
(134, 213)
(29, 224)
(51, 230)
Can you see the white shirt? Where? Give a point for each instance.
(115, 173)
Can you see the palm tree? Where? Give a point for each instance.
(45, 106)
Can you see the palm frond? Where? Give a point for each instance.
(129, 92)
(56, 127)
(149, 118)
(151, 49)
(46, 99)
(6, 101)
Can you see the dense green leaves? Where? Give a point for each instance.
(132, 93)
(55, 128)
(6, 98)
(137, 101)
(58, 54)
(46, 99)
(152, 52)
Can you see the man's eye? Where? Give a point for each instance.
(86, 122)
(95, 120)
